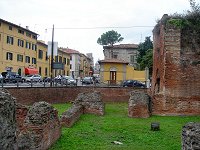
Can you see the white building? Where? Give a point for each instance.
(125, 52)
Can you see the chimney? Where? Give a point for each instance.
(27, 27)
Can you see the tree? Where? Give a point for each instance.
(145, 57)
(110, 38)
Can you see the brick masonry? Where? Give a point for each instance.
(176, 72)
(27, 96)
(139, 105)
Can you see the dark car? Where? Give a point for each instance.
(133, 83)
(87, 80)
(11, 77)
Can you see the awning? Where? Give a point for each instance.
(30, 71)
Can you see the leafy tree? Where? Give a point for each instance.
(147, 60)
(145, 57)
(110, 38)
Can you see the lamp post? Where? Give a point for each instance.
(52, 57)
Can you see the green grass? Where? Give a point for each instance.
(93, 132)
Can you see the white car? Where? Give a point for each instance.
(34, 78)
(70, 80)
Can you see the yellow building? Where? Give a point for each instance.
(114, 71)
(64, 58)
(43, 61)
(85, 66)
(18, 48)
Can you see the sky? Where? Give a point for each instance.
(79, 23)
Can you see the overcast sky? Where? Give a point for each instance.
(71, 19)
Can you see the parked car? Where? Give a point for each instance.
(87, 80)
(11, 77)
(34, 78)
(1, 77)
(133, 83)
(47, 79)
(69, 80)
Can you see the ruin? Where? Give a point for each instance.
(191, 136)
(41, 127)
(90, 102)
(139, 105)
(176, 65)
(7, 121)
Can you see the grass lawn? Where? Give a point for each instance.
(93, 132)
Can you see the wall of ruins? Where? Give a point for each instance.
(28, 96)
(176, 71)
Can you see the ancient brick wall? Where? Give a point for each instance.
(28, 96)
(176, 72)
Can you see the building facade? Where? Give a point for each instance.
(18, 48)
(115, 71)
(125, 52)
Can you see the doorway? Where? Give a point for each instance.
(113, 77)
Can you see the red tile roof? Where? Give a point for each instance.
(113, 61)
(123, 46)
(69, 51)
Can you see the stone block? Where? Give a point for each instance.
(191, 136)
(139, 105)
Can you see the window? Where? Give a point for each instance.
(70, 66)
(34, 36)
(9, 56)
(64, 60)
(21, 43)
(19, 57)
(34, 47)
(68, 61)
(40, 70)
(28, 34)
(40, 54)
(115, 56)
(10, 40)
(46, 71)
(60, 59)
(10, 27)
(46, 56)
(20, 31)
(56, 59)
(27, 59)
(70, 57)
(132, 58)
(33, 60)
(28, 45)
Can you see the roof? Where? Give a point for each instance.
(1, 20)
(122, 46)
(69, 51)
(118, 61)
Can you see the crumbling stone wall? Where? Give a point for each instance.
(90, 102)
(191, 136)
(69, 117)
(176, 71)
(139, 105)
(7, 121)
(41, 127)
